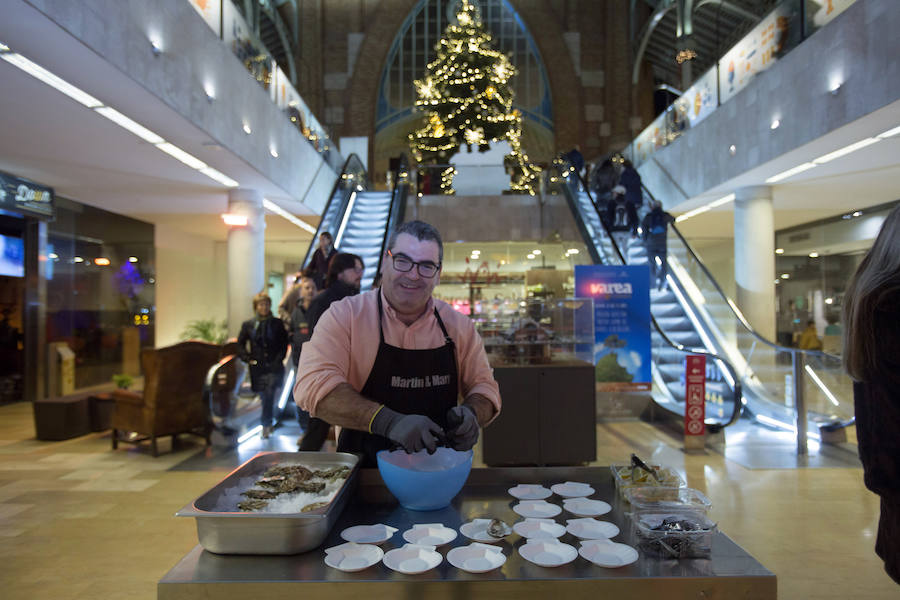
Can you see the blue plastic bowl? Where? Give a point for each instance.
(422, 481)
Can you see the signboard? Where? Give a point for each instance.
(694, 401)
(26, 197)
(621, 324)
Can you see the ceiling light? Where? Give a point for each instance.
(857, 213)
(775, 124)
(829, 300)
(777, 281)
(732, 149)
(220, 177)
(132, 259)
(779, 250)
(814, 255)
(845, 150)
(210, 92)
(273, 152)
(77, 259)
(101, 261)
(274, 208)
(53, 256)
(536, 252)
(785, 275)
(889, 133)
(3, 47)
(247, 129)
(39, 72)
(176, 152)
(572, 250)
(233, 220)
(155, 46)
(835, 89)
(790, 172)
(530, 256)
(126, 123)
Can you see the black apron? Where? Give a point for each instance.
(412, 382)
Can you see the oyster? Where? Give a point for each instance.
(313, 506)
(292, 484)
(298, 472)
(332, 474)
(259, 494)
(251, 505)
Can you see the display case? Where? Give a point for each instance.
(537, 331)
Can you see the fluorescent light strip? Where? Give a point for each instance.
(217, 176)
(776, 423)
(704, 208)
(126, 123)
(845, 150)
(889, 133)
(274, 208)
(790, 172)
(3, 47)
(347, 213)
(286, 390)
(721, 201)
(39, 72)
(249, 434)
(821, 385)
(176, 152)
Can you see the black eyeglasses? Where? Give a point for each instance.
(404, 264)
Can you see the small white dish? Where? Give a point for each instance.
(539, 529)
(369, 534)
(538, 509)
(572, 489)
(429, 534)
(351, 556)
(476, 530)
(584, 507)
(608, 554)
(412, 559)
(530, 491)
(476, 558)
(548, 553)
(591, 529)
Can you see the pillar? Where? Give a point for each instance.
(246, 257)
(754, 257)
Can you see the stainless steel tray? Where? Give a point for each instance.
(236, 532)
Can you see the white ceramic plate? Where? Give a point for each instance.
(539, 529)
(429, 534)
(412, 559)
(608, 554)
(548, 553)
(530, 491)
(351, 556)
(572, 489)
(591, 529)
(537, 509)
(476, 530)
(584, 507)
(369, 534)
(476, 558)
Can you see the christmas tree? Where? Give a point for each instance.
(467, 99)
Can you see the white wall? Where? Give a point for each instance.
(191, 282)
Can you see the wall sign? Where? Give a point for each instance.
(26, 197)
(694, 400)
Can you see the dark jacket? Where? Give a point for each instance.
(318, 265)
(631, 181)
(301, 330)
(654, 227)
(336, 291)
(262, 344)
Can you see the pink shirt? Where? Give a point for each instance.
(345, 342)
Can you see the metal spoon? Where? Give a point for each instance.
(498, 529)
(637, 462)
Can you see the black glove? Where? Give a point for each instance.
(462, 424)
(413, 432)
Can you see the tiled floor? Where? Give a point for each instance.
(79, 520)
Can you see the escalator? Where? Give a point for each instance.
(748, 373)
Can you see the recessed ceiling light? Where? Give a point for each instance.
(814, 255)
(857, 213)
(790, 172)
(889, 133)
(101, 261)
(536, 252)
(785, 275)
(273, 152)
(247, 129)
(132, 259)
(845, 150)
(732, 149)
(775, 124)
(829, 300)
(530, 256)
(779, 250)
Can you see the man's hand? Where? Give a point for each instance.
(413, 432)
(462, 426)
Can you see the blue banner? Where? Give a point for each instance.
(621, 323)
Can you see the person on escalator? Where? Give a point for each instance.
(344, 277)
(872, 358)
(603, 180)
(654, 228)
(300, 331)
(262, 344)
(321, 258)
(395, 366)
(621, 220)
(631, 180)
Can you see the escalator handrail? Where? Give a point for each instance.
(738, 387)
(338, 182)
(397, 208)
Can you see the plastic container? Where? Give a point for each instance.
(661, 499)
(422, 481)
(673, 534)
(627, 477)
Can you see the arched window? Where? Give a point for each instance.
(413, 49)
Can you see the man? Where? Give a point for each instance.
(318, 265)
(344, 276)
(653, 229)
(262, 344)
(390, 365)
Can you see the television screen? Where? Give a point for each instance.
(12, 256)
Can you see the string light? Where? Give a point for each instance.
(466, 99)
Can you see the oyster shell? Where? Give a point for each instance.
(313, 506)
(251, 505)
(332, 474)
(259, 494)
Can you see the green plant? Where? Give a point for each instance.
(207, 330)
(123, 381)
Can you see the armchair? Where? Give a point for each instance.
(172, 400)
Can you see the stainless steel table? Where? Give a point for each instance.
(729, 573)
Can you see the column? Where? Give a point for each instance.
(754, 257)
(246, 257)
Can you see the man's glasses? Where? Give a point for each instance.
(404, 264)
